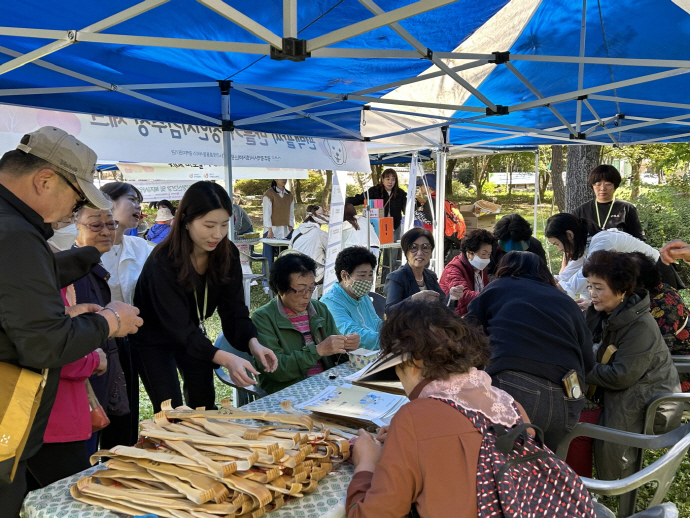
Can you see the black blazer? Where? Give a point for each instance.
(401, 285)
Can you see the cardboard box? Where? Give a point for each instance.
(473, 221)
(360, 358)
(385, 230)
(481, 214)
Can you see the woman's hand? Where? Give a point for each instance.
(103, 364)
(351, 342)
(237, 368)
(269, 233)
(382, 434)
(334, 344)
(583, 304)
(430, 295)
(264, 355)
(366, 452)
(80, 309)
(456, 292)
(674, 250)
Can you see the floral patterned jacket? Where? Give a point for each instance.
(669, 310)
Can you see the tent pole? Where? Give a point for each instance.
(227, 145)
(439, 228)
(536, 189)
(581, 66)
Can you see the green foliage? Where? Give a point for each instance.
(352, 188)
(665, 215)
(314, 184)
(465, 176)
(252, 187)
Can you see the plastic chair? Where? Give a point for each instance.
(663, 471)
(682, 363)
(244, 394)
(379, 303)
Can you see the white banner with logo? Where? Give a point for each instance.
(150, 171)
(156, 191)
(116, 139)
(335, 228)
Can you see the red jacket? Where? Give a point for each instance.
(459, 272)
(70, 418)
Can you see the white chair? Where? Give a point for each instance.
(662, 472)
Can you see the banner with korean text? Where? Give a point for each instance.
(116, 139)
(150, 171)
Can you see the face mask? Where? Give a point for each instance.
(479, 263)
(63, 238)
(361, 288)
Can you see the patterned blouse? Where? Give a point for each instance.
(671, 315)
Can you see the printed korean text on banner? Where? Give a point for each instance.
(335, 228)
(156, 191)
(151, 171)
(115, 139)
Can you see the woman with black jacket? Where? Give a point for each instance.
(394, 201)
(538, 335)
(189, 275)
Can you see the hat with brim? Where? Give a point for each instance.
(68, 154)
(164, 214)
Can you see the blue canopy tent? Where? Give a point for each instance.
(496, 72)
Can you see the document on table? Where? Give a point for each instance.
(356, 404)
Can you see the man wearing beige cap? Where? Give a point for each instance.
(44, 180)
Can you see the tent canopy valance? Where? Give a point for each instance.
(549, 71)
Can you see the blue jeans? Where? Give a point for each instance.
(544, 401)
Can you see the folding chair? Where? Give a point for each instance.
(244, 394)
(379, 303)
(662, 471)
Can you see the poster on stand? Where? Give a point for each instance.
(335, 228)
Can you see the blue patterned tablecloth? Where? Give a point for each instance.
(328, 501)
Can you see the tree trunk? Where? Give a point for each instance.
(635, 180)
(450, 167)
(557, 163)
(544, 180)
(376, 172)
(325, 196)
(298, 191)
(478, 184)
(581, 160)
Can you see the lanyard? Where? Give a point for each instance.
(596, 206)
(201, 321)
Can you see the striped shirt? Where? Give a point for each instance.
(300, 321)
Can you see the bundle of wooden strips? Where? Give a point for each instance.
(207, 464)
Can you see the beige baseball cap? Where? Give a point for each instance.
(68, 154)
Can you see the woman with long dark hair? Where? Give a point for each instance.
(538, 336)
(193, 272)
(578, 238)
(394, 201)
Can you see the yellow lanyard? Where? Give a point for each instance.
(596, 206)
(201, 321)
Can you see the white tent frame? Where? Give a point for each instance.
(319, 47)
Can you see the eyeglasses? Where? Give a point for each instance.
(98, 226)
(425, 248)
(82, 199)
(305, 291)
